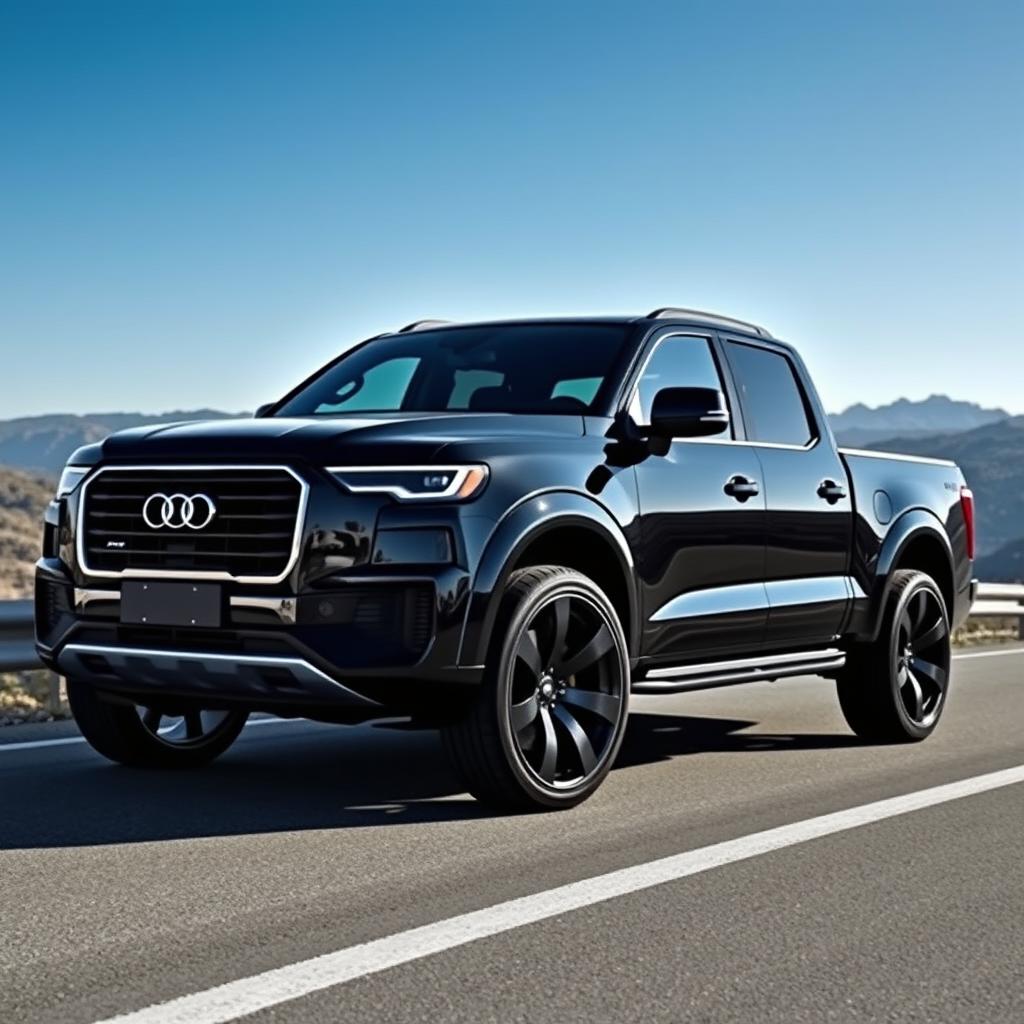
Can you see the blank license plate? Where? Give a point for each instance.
(171, 604)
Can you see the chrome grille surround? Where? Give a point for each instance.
(192, 574)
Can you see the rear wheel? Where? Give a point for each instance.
(894, 690)
(551, 713)
(151, 737)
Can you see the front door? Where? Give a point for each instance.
(701, 559)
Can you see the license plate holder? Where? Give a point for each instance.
(172, 604)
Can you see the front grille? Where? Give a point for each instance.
(250, 535)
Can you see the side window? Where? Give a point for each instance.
(382, 388)
(678, 361)
(773, 400)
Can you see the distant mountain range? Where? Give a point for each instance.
(861, 425)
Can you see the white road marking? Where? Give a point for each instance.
(989, 654)
(35, 744)
(249, 995)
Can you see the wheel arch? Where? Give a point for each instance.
(553, 528)
(917, 540)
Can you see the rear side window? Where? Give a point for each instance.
(773, 400)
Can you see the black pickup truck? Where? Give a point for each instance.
(502, 530)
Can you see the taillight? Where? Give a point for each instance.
(967, 506)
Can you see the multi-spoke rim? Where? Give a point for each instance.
(192, 728)
(922, 657)
(566, 694)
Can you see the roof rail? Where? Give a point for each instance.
(422, 325)
(697, 314)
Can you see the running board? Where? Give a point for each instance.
(740, 670)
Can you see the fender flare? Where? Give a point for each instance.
(521, 526)
(909, 527)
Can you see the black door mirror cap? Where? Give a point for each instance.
(688, 412)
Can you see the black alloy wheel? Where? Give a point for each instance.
(186, 728)
(184, 736)
(566, 693)
(552, 710)
(922, 657)
(895, 690)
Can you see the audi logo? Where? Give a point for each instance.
(178, 510)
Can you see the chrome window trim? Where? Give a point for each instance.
(402, 493)
(195, 574)
(634, 391)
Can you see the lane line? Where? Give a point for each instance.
(35, 744)
(989, 654)
(239, 998)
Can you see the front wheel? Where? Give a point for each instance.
(894, 690)
(150, 737)
(551, 712)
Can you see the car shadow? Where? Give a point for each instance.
(295, 776)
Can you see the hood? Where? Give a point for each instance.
(396, 438)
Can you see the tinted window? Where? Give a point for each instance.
(677, 362)
(540, 368)
(382, 386)
(772, 398)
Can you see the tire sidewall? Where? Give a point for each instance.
(571, 584)
(921, 582)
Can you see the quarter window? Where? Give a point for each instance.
(773, 401)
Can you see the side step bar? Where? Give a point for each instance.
(740, 670)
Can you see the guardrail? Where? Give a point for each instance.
(17, 636)
(17, 652)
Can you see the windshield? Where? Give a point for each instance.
(526, 368)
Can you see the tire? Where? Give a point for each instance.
(895, 689)
(549, 719)
(132, 735)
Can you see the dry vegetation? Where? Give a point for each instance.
(23, 497)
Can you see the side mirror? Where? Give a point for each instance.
(263, 410)
(688, 412)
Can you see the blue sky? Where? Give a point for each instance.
(201, 202)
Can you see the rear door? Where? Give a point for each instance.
(809, 512)
(702, 542)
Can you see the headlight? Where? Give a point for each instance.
(70, 478)
(414, 483)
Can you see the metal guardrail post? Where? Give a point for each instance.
(17, 637)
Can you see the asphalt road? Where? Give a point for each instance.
(122, 889)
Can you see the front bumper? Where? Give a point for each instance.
(365, 645)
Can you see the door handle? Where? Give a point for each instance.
(831, 491)
(741, 488)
